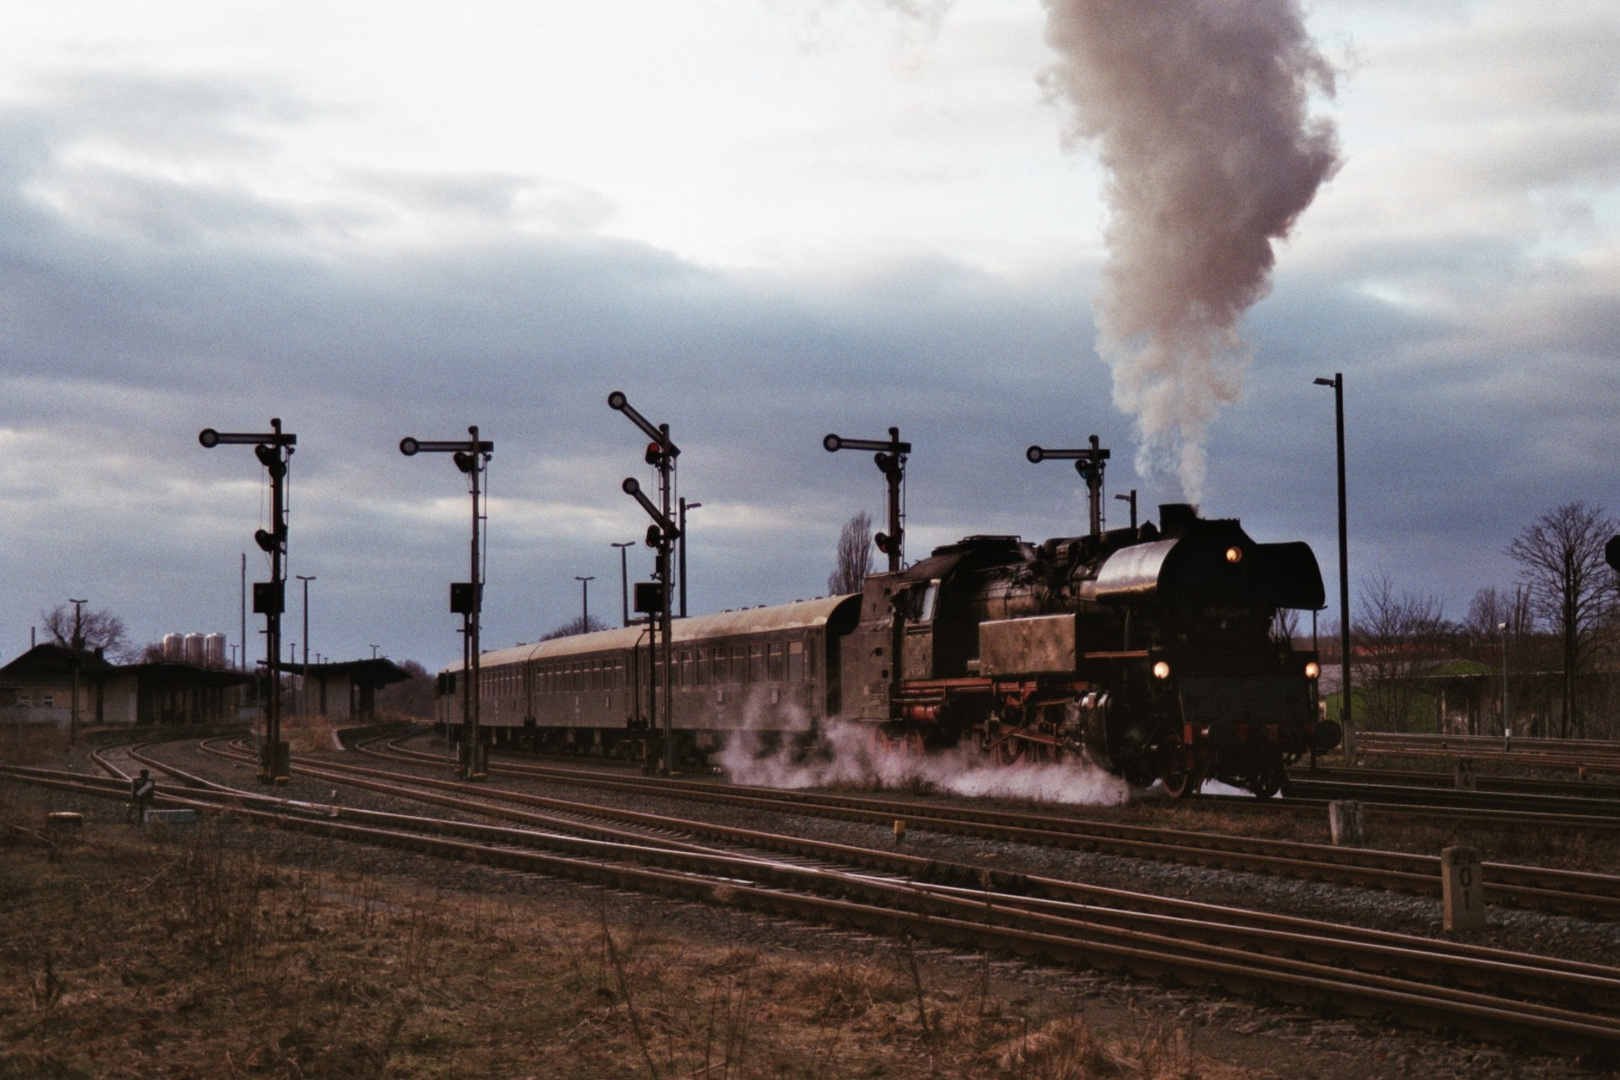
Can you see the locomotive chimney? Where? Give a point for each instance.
(1176, 517)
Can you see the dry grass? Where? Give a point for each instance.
(310, 734)
(174, 955)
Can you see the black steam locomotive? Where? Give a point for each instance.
(1152, 652)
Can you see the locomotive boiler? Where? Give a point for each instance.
(1154, 652)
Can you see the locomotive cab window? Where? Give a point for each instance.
(925, 602)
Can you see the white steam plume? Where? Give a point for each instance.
(846, 756)
(1199, 108)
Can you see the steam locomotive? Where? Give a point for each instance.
(1154, 652)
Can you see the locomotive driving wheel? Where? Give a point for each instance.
(1266, 777)
(1010, 750)
(1178, 769)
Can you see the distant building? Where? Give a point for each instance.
(347, 690)
(38, 688)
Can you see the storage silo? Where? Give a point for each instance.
(174, 648)
(194, 649)
(214, 650)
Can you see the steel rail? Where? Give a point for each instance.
(1295, 930)
(1541, 888)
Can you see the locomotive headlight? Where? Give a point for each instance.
(1161, 670)
(1234, 555)
(1312, 670)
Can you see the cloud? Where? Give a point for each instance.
(180, 259)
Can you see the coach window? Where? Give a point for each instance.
(756, 663)
(775, 654)
(795, 661)
(721, 668)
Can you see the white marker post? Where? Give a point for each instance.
(1345, 822)
(1462, 889)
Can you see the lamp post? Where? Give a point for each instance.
(685, 506)
(1337, 382)
(471, 456)
(78, 649)
(1507, 725)
(1131, 498)
(584, 602)
(624, 580)
(304, 687)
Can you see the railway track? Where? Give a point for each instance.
(1580, 755)
(1509, 806)
(1494, 782)
(1556, 1005)
(1537, 888)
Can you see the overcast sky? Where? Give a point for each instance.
(763, 221)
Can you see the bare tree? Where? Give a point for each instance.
(1399, 637)
(93, 631)
(577, 625)
(413, 697)
(854, 556)
(1571, 589)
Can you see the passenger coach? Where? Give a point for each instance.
(774, 668)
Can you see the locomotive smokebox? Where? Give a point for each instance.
(1176, 517)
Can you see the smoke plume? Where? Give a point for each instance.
(845, 755)
(1199, 110)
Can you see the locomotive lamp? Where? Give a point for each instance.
(1161, 670)
(471, 456)
(1234, 555)
(274, 450)
(1312, 669)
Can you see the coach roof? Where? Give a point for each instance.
(798, 615)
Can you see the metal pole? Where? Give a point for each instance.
(78, 649)
(477, 609)
(1131, 498)
(584, 603)
(624, 581)
(272, 620)
(1337, 382)
(895, 473)
(1507, 725)
(666, 485)
(685, 506)
(304, 689)
(1094, 479)
(244, 654)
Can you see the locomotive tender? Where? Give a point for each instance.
(1152, 652)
